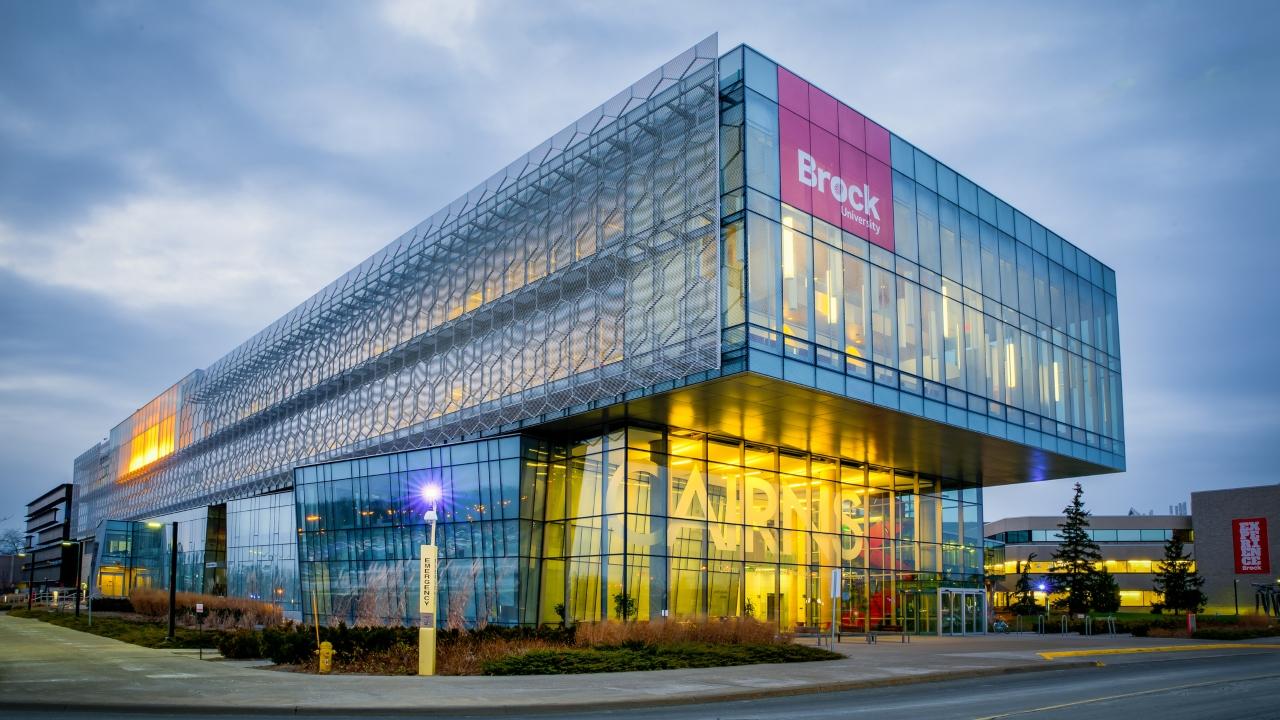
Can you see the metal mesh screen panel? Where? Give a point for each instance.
(585, 269)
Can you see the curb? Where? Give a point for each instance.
(544, 708)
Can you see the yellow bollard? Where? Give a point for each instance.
(326, 656)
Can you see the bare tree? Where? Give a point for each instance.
(12, 541)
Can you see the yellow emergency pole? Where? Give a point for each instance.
(427, 612)
(429, 555)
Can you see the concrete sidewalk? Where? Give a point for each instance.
(48, 667)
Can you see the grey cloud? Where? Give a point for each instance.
(1144, 132)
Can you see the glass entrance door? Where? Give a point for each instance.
(961, 611)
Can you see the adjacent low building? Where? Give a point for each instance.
(1132, 547)
(1230, 534)
(1238, 545)
(724, 346)
(50, 563)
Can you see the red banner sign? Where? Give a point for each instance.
(1249, 537)
(834, 162)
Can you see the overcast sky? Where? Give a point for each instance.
(173, 177)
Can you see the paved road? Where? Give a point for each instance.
(48, 671)
(1235, 686)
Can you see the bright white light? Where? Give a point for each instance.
(431, 493)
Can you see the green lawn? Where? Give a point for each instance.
(138, 632)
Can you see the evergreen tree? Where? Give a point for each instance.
(1077, 557)
(1177, 582)
(1025, 604)
(1104, 593)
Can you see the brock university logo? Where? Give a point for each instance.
(857, 202)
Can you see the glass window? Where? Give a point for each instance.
(762, 144)
(986, 206)
(947, 183)
(1004, 216)
(990, 262)
(884, 325)
(1026, 282)
(970, 253)
(764, 239)
(1054, 247)
(732, 290)
(904, 216)
(931, 346)
(908, 327)
(1084, 294)
(949, 234)
(1057, 299)
(1022, 227)
(797, 273)
(993, 346)
(926, 170)
(974, 351)
(1038, 242)
(953, 340)
(1012, 366)
(968, 195)
(1008, 271)
(857, 306)
(902, 155)
(762, 74)
(1043, 312)
(1089, 377)
(828, 295)
(927, 229)
(1059, 381)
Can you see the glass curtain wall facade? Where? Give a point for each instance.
(717, 340)
(261, 551)
(957, 307)
(644, 521)
(360, 524)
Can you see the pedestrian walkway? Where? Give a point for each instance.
(52, 667)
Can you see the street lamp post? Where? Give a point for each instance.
(173, 582)
(31, 576)
(429, 554)
(79, 568)
(28, 582)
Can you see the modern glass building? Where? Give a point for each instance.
(724, 346)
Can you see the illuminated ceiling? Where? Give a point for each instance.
(776, 412)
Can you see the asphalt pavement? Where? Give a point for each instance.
(46, 670)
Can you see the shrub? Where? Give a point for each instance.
(241, 645)
(1236, 633)
(114, 605)
(651, 657)
(286, 645)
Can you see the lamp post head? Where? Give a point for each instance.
(431, 493)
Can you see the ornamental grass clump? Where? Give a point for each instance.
(730, 631)
(221, 613)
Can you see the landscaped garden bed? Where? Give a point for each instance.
(585, 648)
